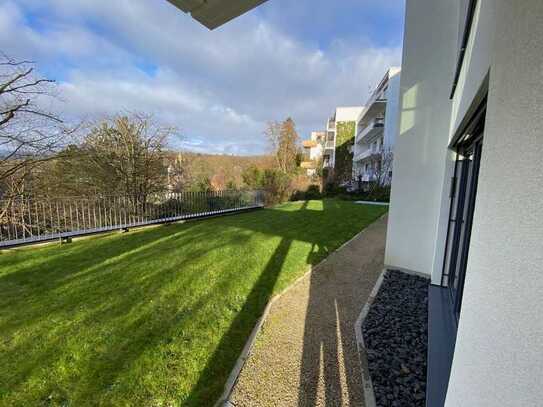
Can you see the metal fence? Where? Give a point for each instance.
(25, 220)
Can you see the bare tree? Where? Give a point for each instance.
(382, 175)
(284, 140)
(29, 133)
(125, 155)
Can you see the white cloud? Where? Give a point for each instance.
(218, 87)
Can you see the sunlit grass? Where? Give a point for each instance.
(156, 316)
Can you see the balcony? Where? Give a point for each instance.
(376, 107)
(330, 145)
(331, 124)
(369, 153)
(308, 165)
(368, 133)
(309, 143)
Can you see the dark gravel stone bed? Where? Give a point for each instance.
(396, 337)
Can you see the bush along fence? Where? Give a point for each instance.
(25, 220)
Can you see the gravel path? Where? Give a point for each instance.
(306, 353)
(396, 335)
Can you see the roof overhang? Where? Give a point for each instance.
(214, 13)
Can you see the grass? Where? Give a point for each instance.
(156, 316)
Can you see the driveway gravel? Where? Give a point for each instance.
(306, 353)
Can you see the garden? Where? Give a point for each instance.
(158, 315)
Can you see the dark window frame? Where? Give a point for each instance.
(463, 46)
(465, 141)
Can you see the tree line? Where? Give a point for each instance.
(126, 154)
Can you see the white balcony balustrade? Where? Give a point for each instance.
(330, 144)
(374, 128)
(370, 152)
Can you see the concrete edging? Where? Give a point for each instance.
(224, 400)
(369, 395)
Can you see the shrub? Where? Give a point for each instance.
(376, 194)
(332, 189)
(276, 186)
(253, 177)
(312, 192)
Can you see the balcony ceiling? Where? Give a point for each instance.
(376, 109)
(214, 13)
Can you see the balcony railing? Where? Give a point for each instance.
(329, 144)
(309, 143)
(370, 152)
(31, 219)
(374, 127)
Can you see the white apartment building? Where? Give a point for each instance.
(341, 115)
(376, 131)
(313, 151)
(467, 195)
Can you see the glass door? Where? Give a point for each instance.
(463, 193)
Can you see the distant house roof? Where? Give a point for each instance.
(214, 13)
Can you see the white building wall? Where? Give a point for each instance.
(420, 150)
(499, 347)
(358, 147)
(476, 62)
(393, 108)
(498, 359)
(315, 153)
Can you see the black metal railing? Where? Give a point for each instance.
(25, 220)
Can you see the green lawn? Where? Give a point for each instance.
(156, 316)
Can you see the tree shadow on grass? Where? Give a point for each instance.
(123, 308)
(218, 367)
(133, 309)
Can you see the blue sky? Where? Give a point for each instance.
(298, 58)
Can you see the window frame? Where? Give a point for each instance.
(468, 25)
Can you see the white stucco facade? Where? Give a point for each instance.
(420, 151)
(499, 351)
(499, 339)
